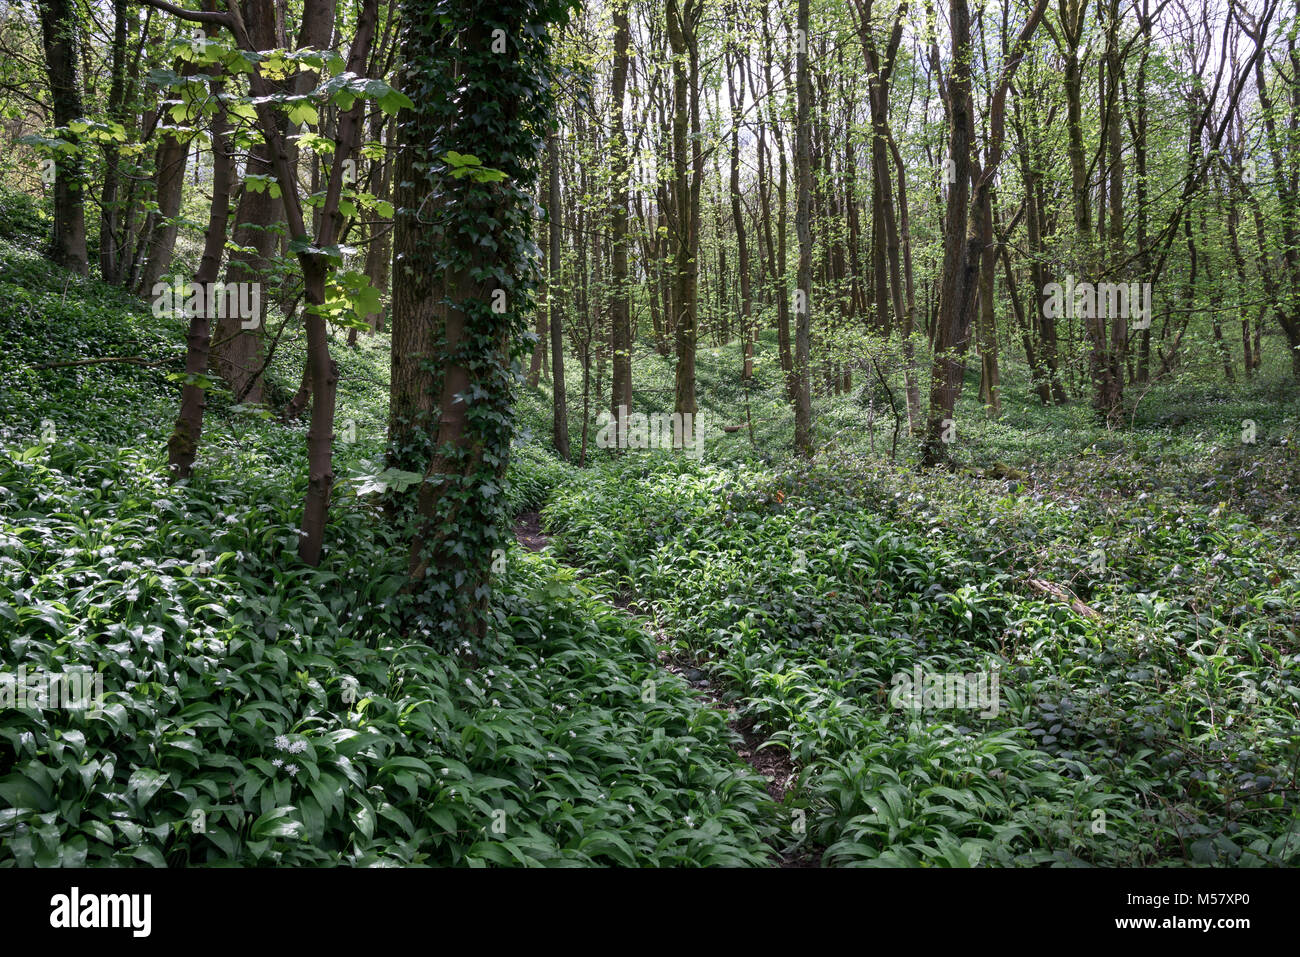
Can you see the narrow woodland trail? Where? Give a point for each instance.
(773, 763)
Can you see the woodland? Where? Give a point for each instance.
(640, 433)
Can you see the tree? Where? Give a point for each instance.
(736, 55)
(479, 78)
(318, 255)
(803, 225)
(554, 309)
(621, 310)
(688, 171)
(238, 356)
(59, 32)
(967, 232)
(1284, 161)
(183, 445)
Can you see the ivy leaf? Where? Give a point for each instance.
(395, 480)
(393, 100)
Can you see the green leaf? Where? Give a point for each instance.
(276, 823)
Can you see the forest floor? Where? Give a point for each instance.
(695, 661)
(773, 764)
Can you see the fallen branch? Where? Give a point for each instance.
(1061, 593)
(129, 360)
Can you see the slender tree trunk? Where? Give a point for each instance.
(159, 241)
(737, 100)
(379, 254)
(110, 207)
(537, 361)
(1287, 306)
(1141, 192)
(803, 225)
(908, 326)
(620, 306)
(560, 407)
(952, 324)
(182, 447)
(687, 167)
(238, 357)
(1112, 367)
(990, 377)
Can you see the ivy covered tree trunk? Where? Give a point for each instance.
(478, 79)
(414, 289)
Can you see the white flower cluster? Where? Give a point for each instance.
(283, 743)
(293, 747)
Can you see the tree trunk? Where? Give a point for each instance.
(990, 377)
(379, 254)
(736, 96)
(803, 226)
(483, 248)
(110, 207)
(183, 445)
(414, 308)
(687, 169)
(966, 230)
(238, 355)
(560, 406)
(159, 241)
(620, 306)
(59, 34)
(952, 325)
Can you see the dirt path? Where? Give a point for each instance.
(773, 764)
(528, 531)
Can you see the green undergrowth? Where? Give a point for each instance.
(257, 711)
(1163, 730)
(1135, 592)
